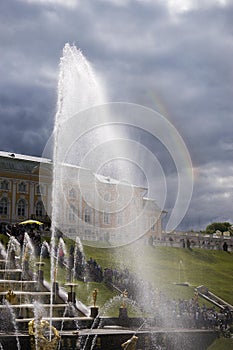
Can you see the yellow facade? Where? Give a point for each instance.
(25, 192)
(20, 197)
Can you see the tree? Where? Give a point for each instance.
(221, 226)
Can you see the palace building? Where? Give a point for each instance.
(94, 206)
(20, 190)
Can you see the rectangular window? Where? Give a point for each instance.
(3, 207)
(3, 210)
(153, 224)
(72, 213)
(21, 211)
(87, 217)
(41, 189)
(119, 219)
(22, 187)
(4, 185)
(107, 219)
(72, 194)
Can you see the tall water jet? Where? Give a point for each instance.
(75, 72)
(79, 198)
(13, 320)
(81, 108)
(2, 251)
(78, 90)
(79, 261)
(91, 137)
(13, 250)
(28, 256)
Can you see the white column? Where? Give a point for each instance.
(31, 199)
(13, 201)
(48, 207)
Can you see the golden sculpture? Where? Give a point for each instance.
(130, 344)
(94, 296)
(11, 297)
(55, 274)
(38, 329)
(124, 296)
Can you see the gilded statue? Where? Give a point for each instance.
(94, 296)
(38, 329)
(130, 344)
(11, 297)
(124, 296)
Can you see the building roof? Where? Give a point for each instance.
(24, 157)
(20, 163)
(24, 163)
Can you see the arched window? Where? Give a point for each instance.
(107, 219)
(86, 196)
(88, 234)
(120, 218)
(87, 216)
(107, 197)
(21, 207)
(3, 206)
(72, 213)
(40, 189)
(4, 185)
(22, 187)
(40, 209)
(72, 193)
(153, 221)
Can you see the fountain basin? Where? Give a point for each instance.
(172, 339)
(11, 274)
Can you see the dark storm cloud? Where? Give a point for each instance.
(179, 63)
(24, 118)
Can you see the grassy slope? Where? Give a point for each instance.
(163, 266)
(221, 344)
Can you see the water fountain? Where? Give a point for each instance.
(52, 318)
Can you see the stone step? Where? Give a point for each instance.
(13, 284)
(29, 297)
(10, 274)
(28, 310)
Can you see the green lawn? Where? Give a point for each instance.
(221, 344)
(163, 266)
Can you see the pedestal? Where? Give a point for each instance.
(55, 290)
(40, 272)
(94, 311)
(123, 317)
(40, 276)
(71, 294)
(71, 297)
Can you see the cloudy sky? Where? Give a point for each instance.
(174, 56)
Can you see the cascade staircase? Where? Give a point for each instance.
(212, 298)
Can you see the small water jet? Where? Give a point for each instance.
(13, 321)
(181, 270)
(61, 253)
(13, 251)
(3, 253)
(39, 329)
(28, 257)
